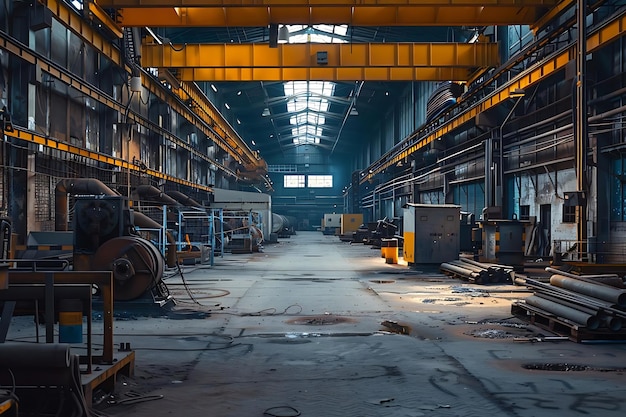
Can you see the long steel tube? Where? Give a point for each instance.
(570, 275)
(571, 296)
(462, 271)
(588, 320)
(608, 320)
(603, 292)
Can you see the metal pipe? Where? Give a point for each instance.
(613, 323)
(499, 199)
(90, 186)
(581, 277)
(472, 276)
(152, 193)
(590, 321)
(184, 199)
(603, 292)
(37, 355)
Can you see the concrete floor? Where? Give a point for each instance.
(298, 330)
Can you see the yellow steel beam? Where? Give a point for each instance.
(319, 3)
(74, 22)
(96, 156)
(305, 55)
(607, 33)
(552, 14)
(101, 15)
(155, 88)
(82, 28)
(323, 74)
(458, 14)
(222, 127)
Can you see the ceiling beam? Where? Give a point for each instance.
(450, 13)
(335, 4)
(345, 62)
(324, 74)
(307, 55)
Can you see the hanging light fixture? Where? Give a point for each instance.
(283, 34)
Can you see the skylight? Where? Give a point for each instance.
(309, 99)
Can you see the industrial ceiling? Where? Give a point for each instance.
(230, 48)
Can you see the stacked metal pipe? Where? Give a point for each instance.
(477, 272)
(582, 299)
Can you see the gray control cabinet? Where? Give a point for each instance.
(431, 233)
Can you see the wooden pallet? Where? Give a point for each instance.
(561, 326)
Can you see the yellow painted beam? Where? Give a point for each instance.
(609, 32)
(74, 22)
(323, 74)
(104, 18)
(458, 14)
(96, 156)
(304, 55)
(83, 29)
(319, 3)
(552, 14)
(238, 147)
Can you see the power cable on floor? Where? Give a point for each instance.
(261, 313)
(180, 271)
(282, 410)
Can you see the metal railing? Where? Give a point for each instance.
(592, 250)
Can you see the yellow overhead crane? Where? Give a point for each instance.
(347, 62)
(233, 13)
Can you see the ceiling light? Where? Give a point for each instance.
(283, 34)
(227, 106)
(239, 92)
(253, 142)
(354, 111)
(266, 112)
(238, 121)
(213, 87)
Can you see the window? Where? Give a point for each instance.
(294, 181)
(569, 214)
(320, 181)
(524, 212)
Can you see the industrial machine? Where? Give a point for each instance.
(105, 239)
(349, 225)
(282, 226)
(372, 233)
(331, 224)
(503, 242)
(431, 233)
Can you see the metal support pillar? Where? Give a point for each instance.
(581, 126)
(489, 200)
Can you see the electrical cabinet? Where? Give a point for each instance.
(431, 233)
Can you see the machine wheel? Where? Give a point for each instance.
(136, 264)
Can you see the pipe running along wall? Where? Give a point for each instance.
(90, 186)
